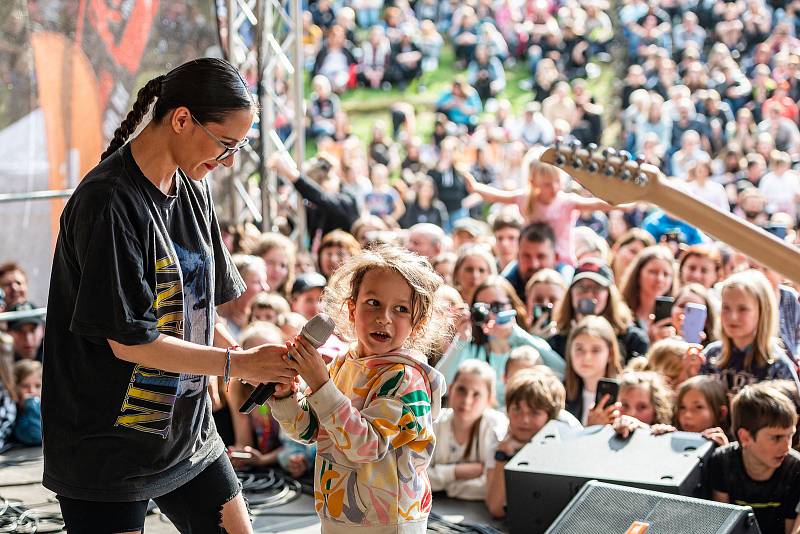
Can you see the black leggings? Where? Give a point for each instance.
(195, 507)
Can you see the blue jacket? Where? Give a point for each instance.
(462, 350)
(659, 223)
(28, 427)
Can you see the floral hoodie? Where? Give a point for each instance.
(373, 424)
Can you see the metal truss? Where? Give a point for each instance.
(265, 36)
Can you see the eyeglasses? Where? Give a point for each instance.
(229, 150)
(496, 307)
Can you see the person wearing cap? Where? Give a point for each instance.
(306, 292)
(27, 333)
(467, 231)
(593, 292)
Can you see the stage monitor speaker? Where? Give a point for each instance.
(548, 472)
(601, 508)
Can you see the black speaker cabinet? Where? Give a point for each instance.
(548, 472)
(601, 508)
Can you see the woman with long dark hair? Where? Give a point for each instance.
(132, 333)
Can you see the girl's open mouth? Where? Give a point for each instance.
(380, 336)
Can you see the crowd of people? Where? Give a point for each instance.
(549, 289)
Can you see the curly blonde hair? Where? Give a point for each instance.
(429, 319)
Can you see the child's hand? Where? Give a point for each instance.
(308, 363)
(600, 414)
(283, 391)
(660, 428)
(510, 446)
(297, 465)
(716, 434)
(543, 327)
(238, 459)
(693, 360)
(624, 425)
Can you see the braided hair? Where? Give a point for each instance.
(209, 87)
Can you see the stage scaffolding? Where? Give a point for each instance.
(266, 36)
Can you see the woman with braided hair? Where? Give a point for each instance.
(132, 333)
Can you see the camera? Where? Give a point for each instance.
(479, 313)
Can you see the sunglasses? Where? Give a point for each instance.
(496, 307)
(229, 150)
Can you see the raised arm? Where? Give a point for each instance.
(489, 193)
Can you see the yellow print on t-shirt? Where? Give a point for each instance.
(151, 394)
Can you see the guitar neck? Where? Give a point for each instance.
(753, 241)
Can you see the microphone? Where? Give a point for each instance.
(316, 331)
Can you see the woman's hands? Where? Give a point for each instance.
(265, 363)
(600, 414)
(307, 362)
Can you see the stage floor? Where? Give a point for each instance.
(21, 475)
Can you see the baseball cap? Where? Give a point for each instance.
(23, 307)
(594, 270)
(307, 281)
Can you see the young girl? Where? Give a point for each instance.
(28, 380)
(543, 200)
(474, 265)
(278, 253)
(674, 359)
(651, 274)
(467, 434)
(592, 354)
(749, 350)
(701, 406)
(544, 291)
(644, 399)
(372, 412)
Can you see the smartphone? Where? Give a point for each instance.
(586, 306)
(694, 321)
(241, 455)
(778, 230)
(542, 310)
(607, 386)
(663, 308)
(505, 316)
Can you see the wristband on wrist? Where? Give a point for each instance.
(226, 373)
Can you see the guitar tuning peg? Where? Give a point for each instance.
(641, 179)
(640, 159)
(591, 147)
(576, 160)
(608, 153)
(560, 160)
(625, 173)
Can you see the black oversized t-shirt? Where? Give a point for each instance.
(773, 500)
(130, 264)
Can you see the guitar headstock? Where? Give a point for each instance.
(610, 175)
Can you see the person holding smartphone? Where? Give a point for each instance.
(496, 313)
(593, 292)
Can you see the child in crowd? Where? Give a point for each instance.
(749, 350)
(644, 399)
(760, 470)
(371, 414)
(467, 434)
(592, 354)
(674, 359)
(28, 380)
(701, 406)
(269, 307)
(532, 399)
(524, 357)
(543, 293)
(306, 292)
(543, 200)
(644, 395)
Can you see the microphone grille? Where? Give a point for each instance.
(318, 329)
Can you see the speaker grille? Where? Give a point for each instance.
(604, 510)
